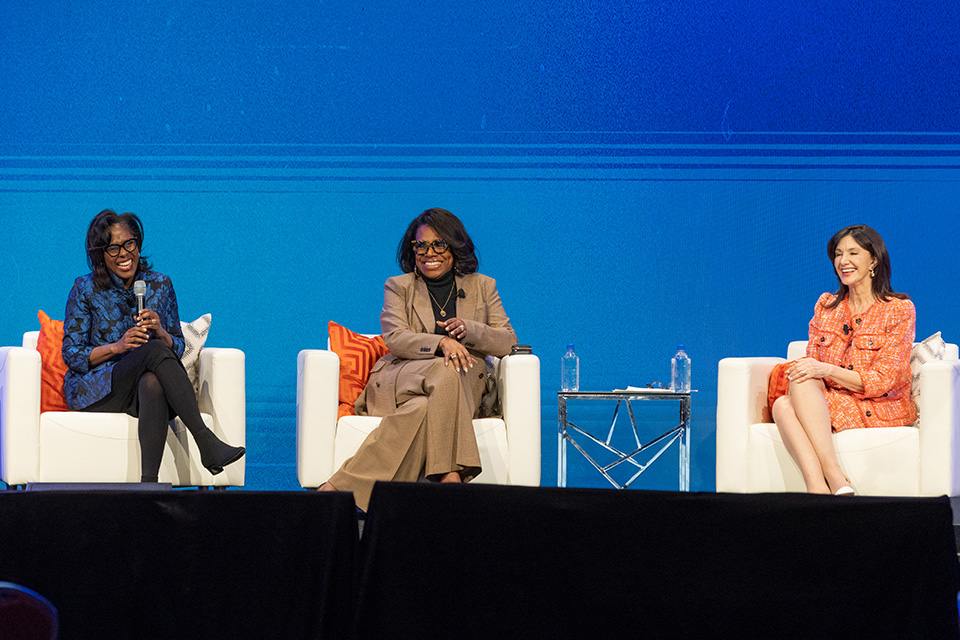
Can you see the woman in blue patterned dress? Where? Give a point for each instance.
(122, 362)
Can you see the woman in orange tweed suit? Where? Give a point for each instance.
(856, 372)
(440, 318)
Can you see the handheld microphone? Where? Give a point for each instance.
(461, 294)
(140, 290)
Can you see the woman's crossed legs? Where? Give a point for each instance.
(803, 419)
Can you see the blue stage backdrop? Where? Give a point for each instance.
(635, 175)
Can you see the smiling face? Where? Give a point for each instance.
(432, 264)
(125, 263)
(853, 264)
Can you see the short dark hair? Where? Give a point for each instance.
(870, 240)
(451, 231)
(98, 237)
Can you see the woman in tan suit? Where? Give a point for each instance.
(440, 318)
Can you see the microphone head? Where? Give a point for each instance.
(461, 294)
(139, 288)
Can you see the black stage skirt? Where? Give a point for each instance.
(125, 379)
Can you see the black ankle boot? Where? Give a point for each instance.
(215, 454)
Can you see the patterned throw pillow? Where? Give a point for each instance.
(932, 348)
(52, 367)
(358, 354)
(195, 335)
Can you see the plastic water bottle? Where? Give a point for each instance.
(680, 371)
(570, 371)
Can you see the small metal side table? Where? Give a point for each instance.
(569, 432)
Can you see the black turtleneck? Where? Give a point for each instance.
(441, 289)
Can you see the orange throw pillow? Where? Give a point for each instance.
(779, 384)
(52, 367)
(357, 356)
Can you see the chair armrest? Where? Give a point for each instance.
(741, 401)
(518, 379)
(19, 415)
(223, 394)
(318, 383)
(939, 428)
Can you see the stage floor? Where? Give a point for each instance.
(491, 561)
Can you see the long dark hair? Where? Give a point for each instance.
(870, 240)
(98, 237)
(451, 231)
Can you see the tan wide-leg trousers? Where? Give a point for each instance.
(427, 429)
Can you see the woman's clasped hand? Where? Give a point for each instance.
(456, 353)
(148, 326)
(807, 369)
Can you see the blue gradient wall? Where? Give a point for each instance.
(634, 174)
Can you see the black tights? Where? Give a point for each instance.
(165, 388)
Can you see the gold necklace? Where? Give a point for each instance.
(443, 313)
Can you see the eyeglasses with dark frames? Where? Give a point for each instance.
(113, 250)
(420, 246)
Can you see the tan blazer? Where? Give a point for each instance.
(408, 323)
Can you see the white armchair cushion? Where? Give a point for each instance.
(491, 434)
(351, 432)
(104, 447)
(885, 461)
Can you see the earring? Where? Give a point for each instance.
(416, 272)
(871, 272)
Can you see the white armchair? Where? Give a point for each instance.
(509, 446)
(76, 447)
(891, 461)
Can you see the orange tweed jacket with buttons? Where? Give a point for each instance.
(877, 346)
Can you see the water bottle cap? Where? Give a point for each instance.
(570, 347)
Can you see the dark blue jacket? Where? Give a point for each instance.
(99, 317)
